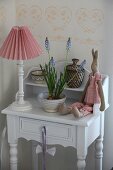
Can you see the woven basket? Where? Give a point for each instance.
(75, 75)
(37, 76)
(75, 78)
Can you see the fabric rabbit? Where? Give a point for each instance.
(92, 94)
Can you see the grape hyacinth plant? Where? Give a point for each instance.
(47, 46)
(54, 83)
(68, 46)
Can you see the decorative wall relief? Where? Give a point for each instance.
(89, 20)
(2, 14)
(58, 37)
(60, 22)
(21, 13)
(2, 21)
(58, 18)
(29, 15)
(36, 14)
(91, 42)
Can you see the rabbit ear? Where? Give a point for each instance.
(96, 54)
(93, 53)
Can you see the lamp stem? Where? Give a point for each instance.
(20, 77)
(20, 104)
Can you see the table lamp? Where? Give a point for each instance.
(20, 45)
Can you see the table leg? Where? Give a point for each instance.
(81, 163)
(13, 156)
(99, 153)
(81, 147)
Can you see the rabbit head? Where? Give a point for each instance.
(94, 65)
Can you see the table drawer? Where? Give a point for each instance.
(31, 125)
(56, 131)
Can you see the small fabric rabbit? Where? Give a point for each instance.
(93, 93)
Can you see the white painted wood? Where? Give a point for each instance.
(57, 133)
(82, 145)
(64, 130)
(20, 104)
(38, 113)
(99, 145)
(20, 75)
(12, 128)
(95, 130)
(13, 156)
(30, 82)
(55, 130)
(99, 153)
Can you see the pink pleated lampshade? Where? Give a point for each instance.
(20, 45)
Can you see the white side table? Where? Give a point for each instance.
(63, 130)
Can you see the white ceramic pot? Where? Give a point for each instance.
(50, 105)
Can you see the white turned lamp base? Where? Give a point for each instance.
(21, 107)
(20, 104)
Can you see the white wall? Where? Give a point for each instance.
(107, 64)
(7, 71)
(81, 20)
(84, 22)
(7, 19)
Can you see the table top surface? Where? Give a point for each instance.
(38, 113)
